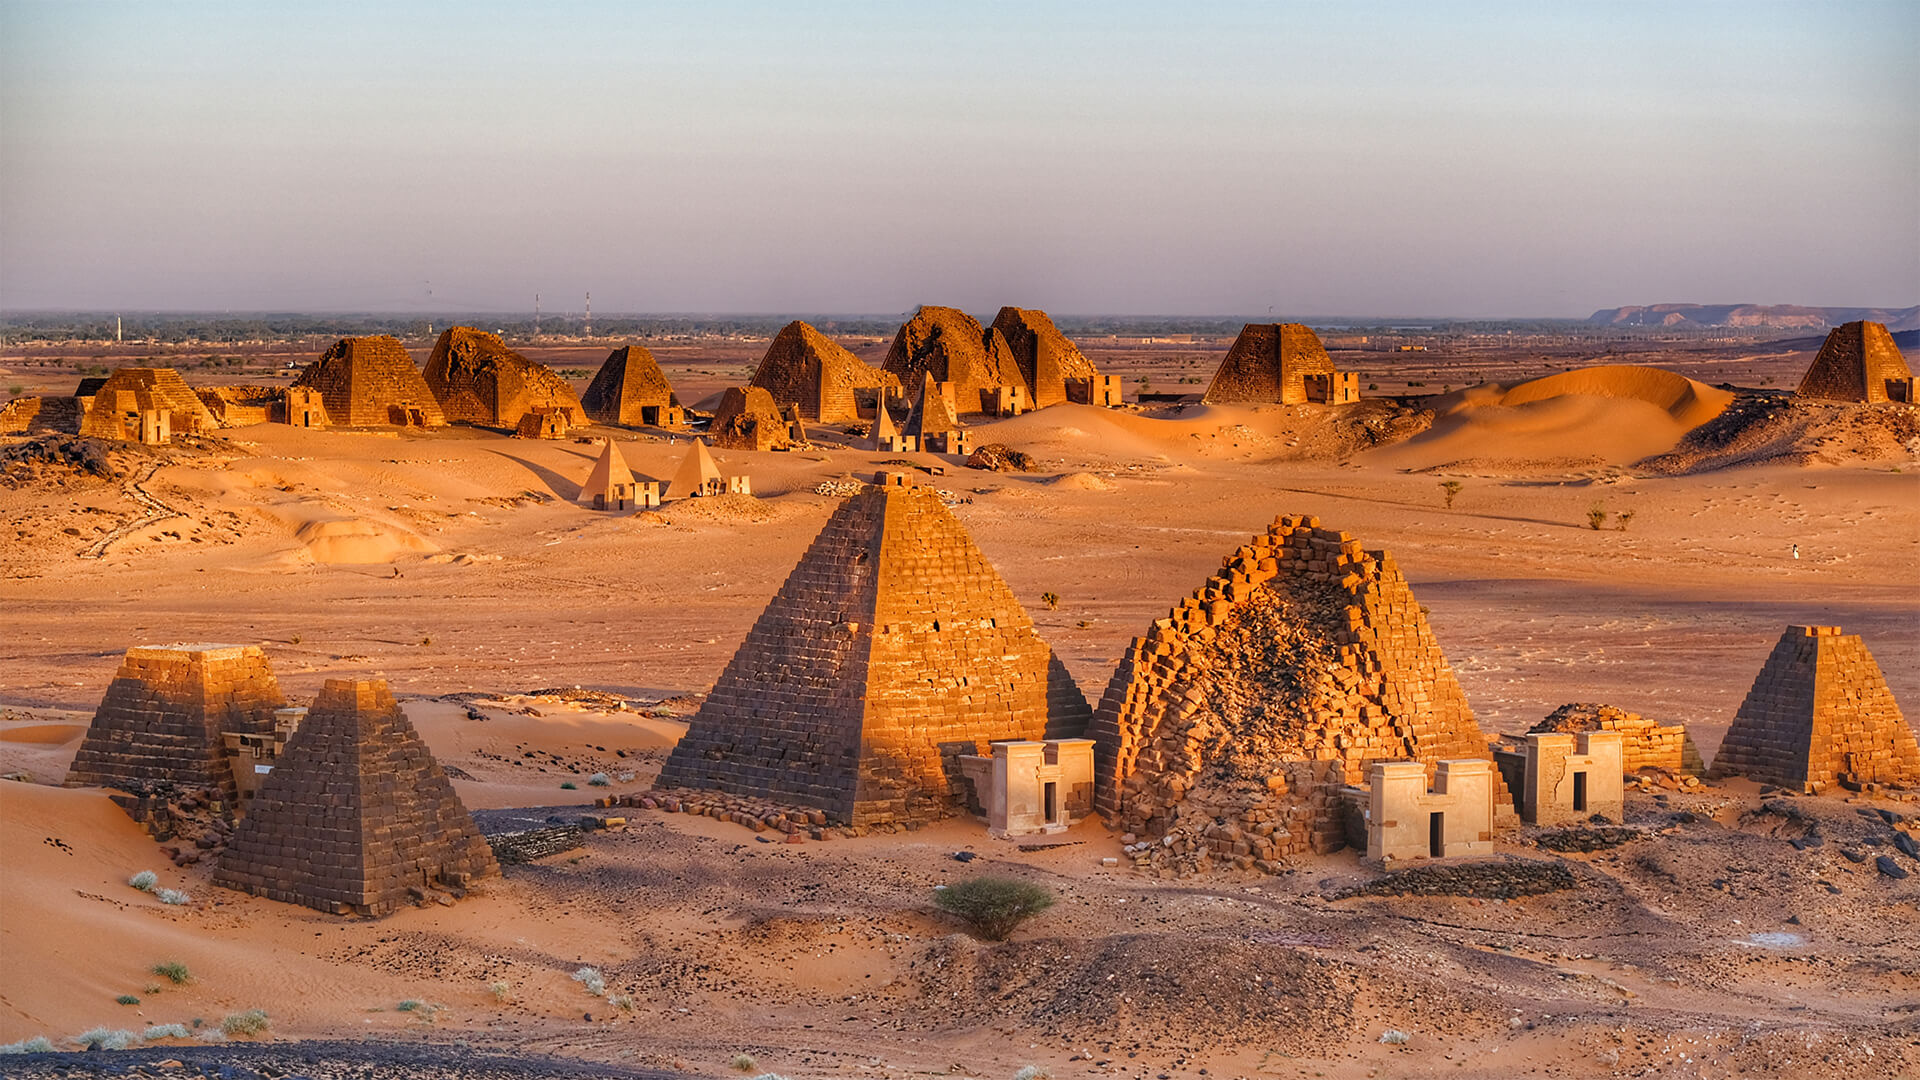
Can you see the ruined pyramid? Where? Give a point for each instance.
(950, 344)
(697, 475)
(130, 391)
(1296, 665)
(478, 380)
(628, 382)
(355, 813)
(1269, 363)
(748, 419)
(892, 649)
(365, 381)
(804, 367)
(1858, 362)
(1820, 713)
(610, 485)
(164, 715)
(1044, 356)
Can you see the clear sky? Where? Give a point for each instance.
(1471, 159)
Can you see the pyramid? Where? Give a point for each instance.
(1045, 357)
(1299, 663)
(610, 480)
(164, 715)
(1819, 713)
(130, 391)
(627, 382)
(1858, 362)
(933, 413)
(805, 367)
(1269, 363)
(948, 343)
(478, 380)
(892, 649)
(366, 381)
(697, 474)
(886, 433)
(748, 419)
(354, 814)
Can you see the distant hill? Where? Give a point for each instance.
(1781, 316)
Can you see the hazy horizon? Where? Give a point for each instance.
(1474, 161)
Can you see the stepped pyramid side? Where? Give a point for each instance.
(1299, 663)
(163, 716)
(804, 367)
(949, 344)
(629, 380)
(1818, 713)
(1045, 357)
(139, 389)
(364, 380)
(892, 649)
(355, 813)
(1268, 364)
(478, 380)
(1855, 363)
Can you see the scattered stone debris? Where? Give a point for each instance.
(999, 457)
(596, 699)
(1586, 838)
(24, 461)
(527, 845)
(1502, 879)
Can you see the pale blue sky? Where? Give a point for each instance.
(1316, 159)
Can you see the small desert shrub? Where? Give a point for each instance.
(501, 991)
(101, 1038)
(994, 906)
(568, 785)
(1596, 516)
(164, 1031)
(591, 978)
(126, 999)
(145, 880)
(39, 1044)
(1394, 1038)
(1625, 518)
(211, 1035)
(745, 1062)
(620, 1001)
(1051, 599)
(174, 971)
(1032, 1072)
(411, 1005)
(251, 1022)
(1450, 488)
(598, 779)
(172, 896)
(16, 390)
(769, 1076)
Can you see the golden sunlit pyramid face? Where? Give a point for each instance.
(892, 645)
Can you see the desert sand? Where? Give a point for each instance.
(458, 565)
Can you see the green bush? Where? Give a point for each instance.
(164, 1031)
(993, 906)
(174, 971)
(126, 999)
(251, 1022)
(39, 1044)
(145, 880)
(103, 1039)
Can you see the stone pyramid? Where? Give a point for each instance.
(748, 419)
(164, 715)
(366, 381)
(932, 412)
(610, 479)
(1045, 357)
(884, 429)
(133, 390)
(628, 381)
(697, 471)
(1268, 364)
(950, 344)
(892, 649)
(478, 380)
(355, 813)
(1820, 713)
(1299, 663)
(804, 367)
(1858, 362)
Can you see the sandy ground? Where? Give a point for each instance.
(456, 563)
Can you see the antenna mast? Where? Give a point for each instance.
(536, 314)
(589, 314)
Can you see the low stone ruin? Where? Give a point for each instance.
(1820, 714)
(1567, 777)
(237, 406)
(1406, 821)
(478, 380)
(146, 405)
(546, 422)
(357, 817)
(1230, 729)
(749, 419)
(1270, 364)
(1025, 787)
(893, 649)
(1644, 744)
(1858, 362)
(367, 382)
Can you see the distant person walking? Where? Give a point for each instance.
(1796, 551)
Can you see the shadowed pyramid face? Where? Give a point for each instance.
(1858, 362)
(1268, 364)
(892, 649)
